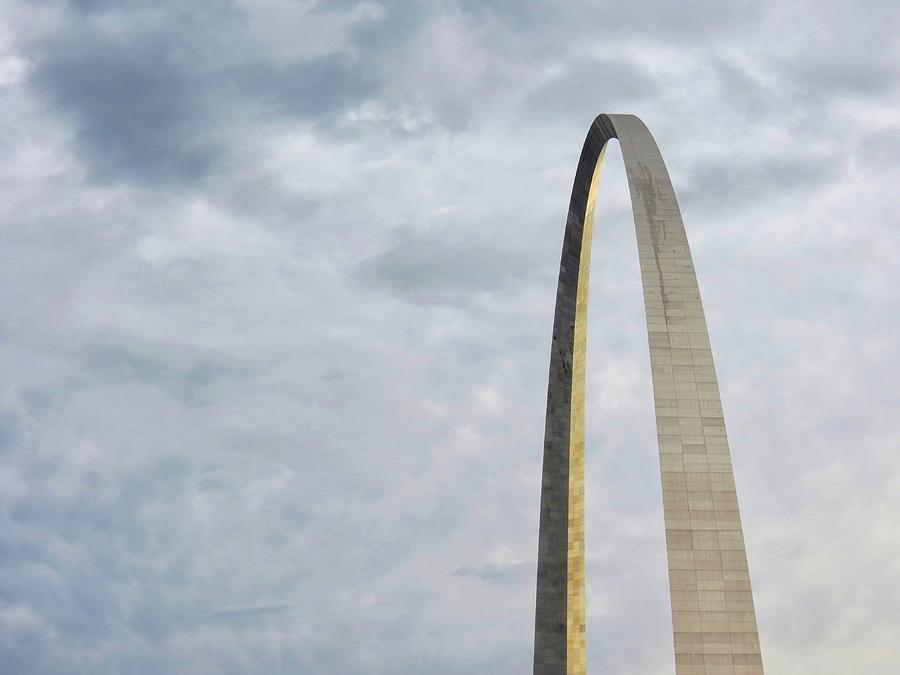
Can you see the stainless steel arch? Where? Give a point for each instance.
(713, 619)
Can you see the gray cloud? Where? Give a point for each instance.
(318, 89)
(244, 613)
(275, 290)
(881, 149)
(501, 573)
(136, 111)
(727, 183)
(153, 103)
(565, 93)
(835, 77)
(439, 266)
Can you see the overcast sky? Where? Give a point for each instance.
(276, 293)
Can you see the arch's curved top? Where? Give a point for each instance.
(713, 618)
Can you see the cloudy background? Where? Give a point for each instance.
(276, 288)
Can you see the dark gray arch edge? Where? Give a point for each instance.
(703, 635)
(550, 640)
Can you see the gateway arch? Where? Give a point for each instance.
(713, 619)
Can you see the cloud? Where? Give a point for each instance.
(564, 94)
(246, 613)
(881, 148)
(318, 89)
(501, 573)
(152, 96)
(437, 267)
(136, 112)
(728, 183)
(276, 283)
